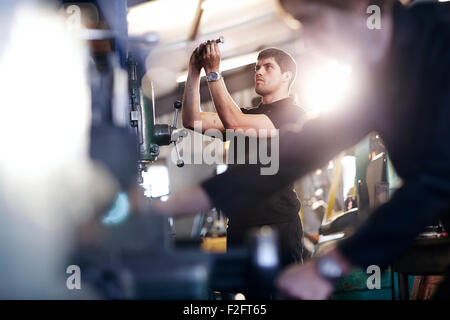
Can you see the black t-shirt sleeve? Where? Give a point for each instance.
(287, 116)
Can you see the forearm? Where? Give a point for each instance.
(188, 202)
(191, 100)
(229, 113)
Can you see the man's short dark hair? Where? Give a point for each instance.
(283, 59)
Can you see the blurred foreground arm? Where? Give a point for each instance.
(323, 137)
(303, 281)
(187, 202)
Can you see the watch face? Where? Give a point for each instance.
(213, 76)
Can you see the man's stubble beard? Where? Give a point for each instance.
(261, 91)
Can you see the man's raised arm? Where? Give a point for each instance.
(229, 112)
(191, 100)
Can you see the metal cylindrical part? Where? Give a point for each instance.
(221, 39)
(175, 118)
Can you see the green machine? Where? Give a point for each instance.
(142, 117)
(375, 181)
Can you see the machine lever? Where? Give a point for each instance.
(180, 162)
(177, 133)
(177, 106)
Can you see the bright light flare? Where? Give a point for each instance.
(156, 181)
(48, 184)
(168, 16)
(326, 86)
(44, 113)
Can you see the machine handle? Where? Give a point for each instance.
(176, 133)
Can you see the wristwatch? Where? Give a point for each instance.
(329, 269)
(213, 76)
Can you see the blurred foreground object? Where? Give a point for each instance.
(49, 185)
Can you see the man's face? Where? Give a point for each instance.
(329, 30)
(268, 76)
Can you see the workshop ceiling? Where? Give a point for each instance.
(247, 25)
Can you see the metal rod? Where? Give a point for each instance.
(175, 118)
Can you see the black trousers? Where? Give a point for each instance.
(289, 237)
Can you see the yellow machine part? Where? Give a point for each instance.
(337, 176)
(215, 245)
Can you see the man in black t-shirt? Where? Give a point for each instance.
(275, 72)
(281, 210)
